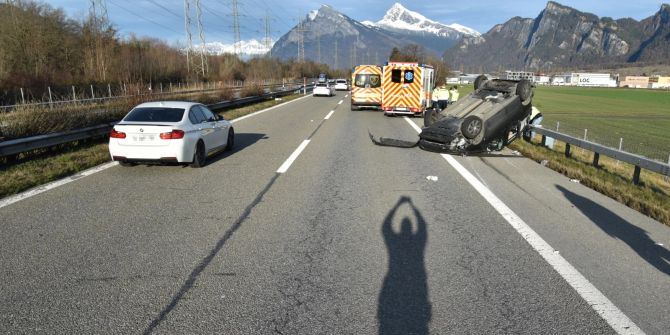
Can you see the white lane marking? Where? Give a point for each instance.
(267, 109)
(50, 186)
(287, 164)
(341, 101)
(329, 114)
(346, 96)
(596, 299)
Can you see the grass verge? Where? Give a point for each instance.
(43, 166)
(612, 178)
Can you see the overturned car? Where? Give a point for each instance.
(487, 119)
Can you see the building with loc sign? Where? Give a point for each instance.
(592, 80)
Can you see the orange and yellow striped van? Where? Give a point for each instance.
(366, 87)
(407, 88)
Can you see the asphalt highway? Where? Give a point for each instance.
(306, 227)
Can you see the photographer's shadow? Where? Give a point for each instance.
(404, 307)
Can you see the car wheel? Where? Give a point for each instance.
(472, 126)
(354, 108)
(200, 155)
(480, 81)
(231, 139)
(431, 116)
(524, 89)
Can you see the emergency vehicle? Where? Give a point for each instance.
(366, 87)
(407, 88)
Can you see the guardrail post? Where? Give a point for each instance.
(544, 140)
(50, 98)
(92, 93)
(161, 87)
(558, 125)
(109, 90)
(636, 175)
(74, 94)
(596, 159)
(567, 149)
(23, 99)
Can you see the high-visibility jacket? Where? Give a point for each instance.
(535, 113)
(453, 95)
(440, 94)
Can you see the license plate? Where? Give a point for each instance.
(401, 108)
(144, 138)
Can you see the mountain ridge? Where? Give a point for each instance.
(563, 37)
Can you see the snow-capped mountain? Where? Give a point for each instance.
(399, 18)
(331, 37)
(250, 48)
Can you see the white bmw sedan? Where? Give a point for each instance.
(169, 132)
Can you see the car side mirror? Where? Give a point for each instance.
(219, 117)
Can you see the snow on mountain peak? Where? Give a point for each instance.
(400, 18)
(249, 48)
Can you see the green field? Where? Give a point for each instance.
(641, 117)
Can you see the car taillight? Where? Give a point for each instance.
(173, 135)
(414, 110)
(117, 134)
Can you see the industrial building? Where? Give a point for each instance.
(635, 82)
(592, 80)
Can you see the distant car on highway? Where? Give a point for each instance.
(323, 89)
(341, 85)
(170, 132)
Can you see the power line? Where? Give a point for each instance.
(144, 18)
(164, 8)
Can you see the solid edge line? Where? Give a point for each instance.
(329, 114)
(267, 109)
(596, 299)
(287, 164)
(50, 186)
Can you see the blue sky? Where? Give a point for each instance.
(163, 19)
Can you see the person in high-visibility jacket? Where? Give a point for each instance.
(453, 94)
(534, 119)
(441, 96)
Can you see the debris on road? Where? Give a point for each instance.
(576, 181)
(432, 178)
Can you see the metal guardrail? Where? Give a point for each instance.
(640, 162)
(17, 146)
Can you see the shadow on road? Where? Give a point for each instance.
(404, 307)
(242, 141)
(615, 226)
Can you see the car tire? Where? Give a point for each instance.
(354, 108)
(200, 156)
(126, 164)
(480, 81)
(231, 139)
(524, 89)
(472, 126)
